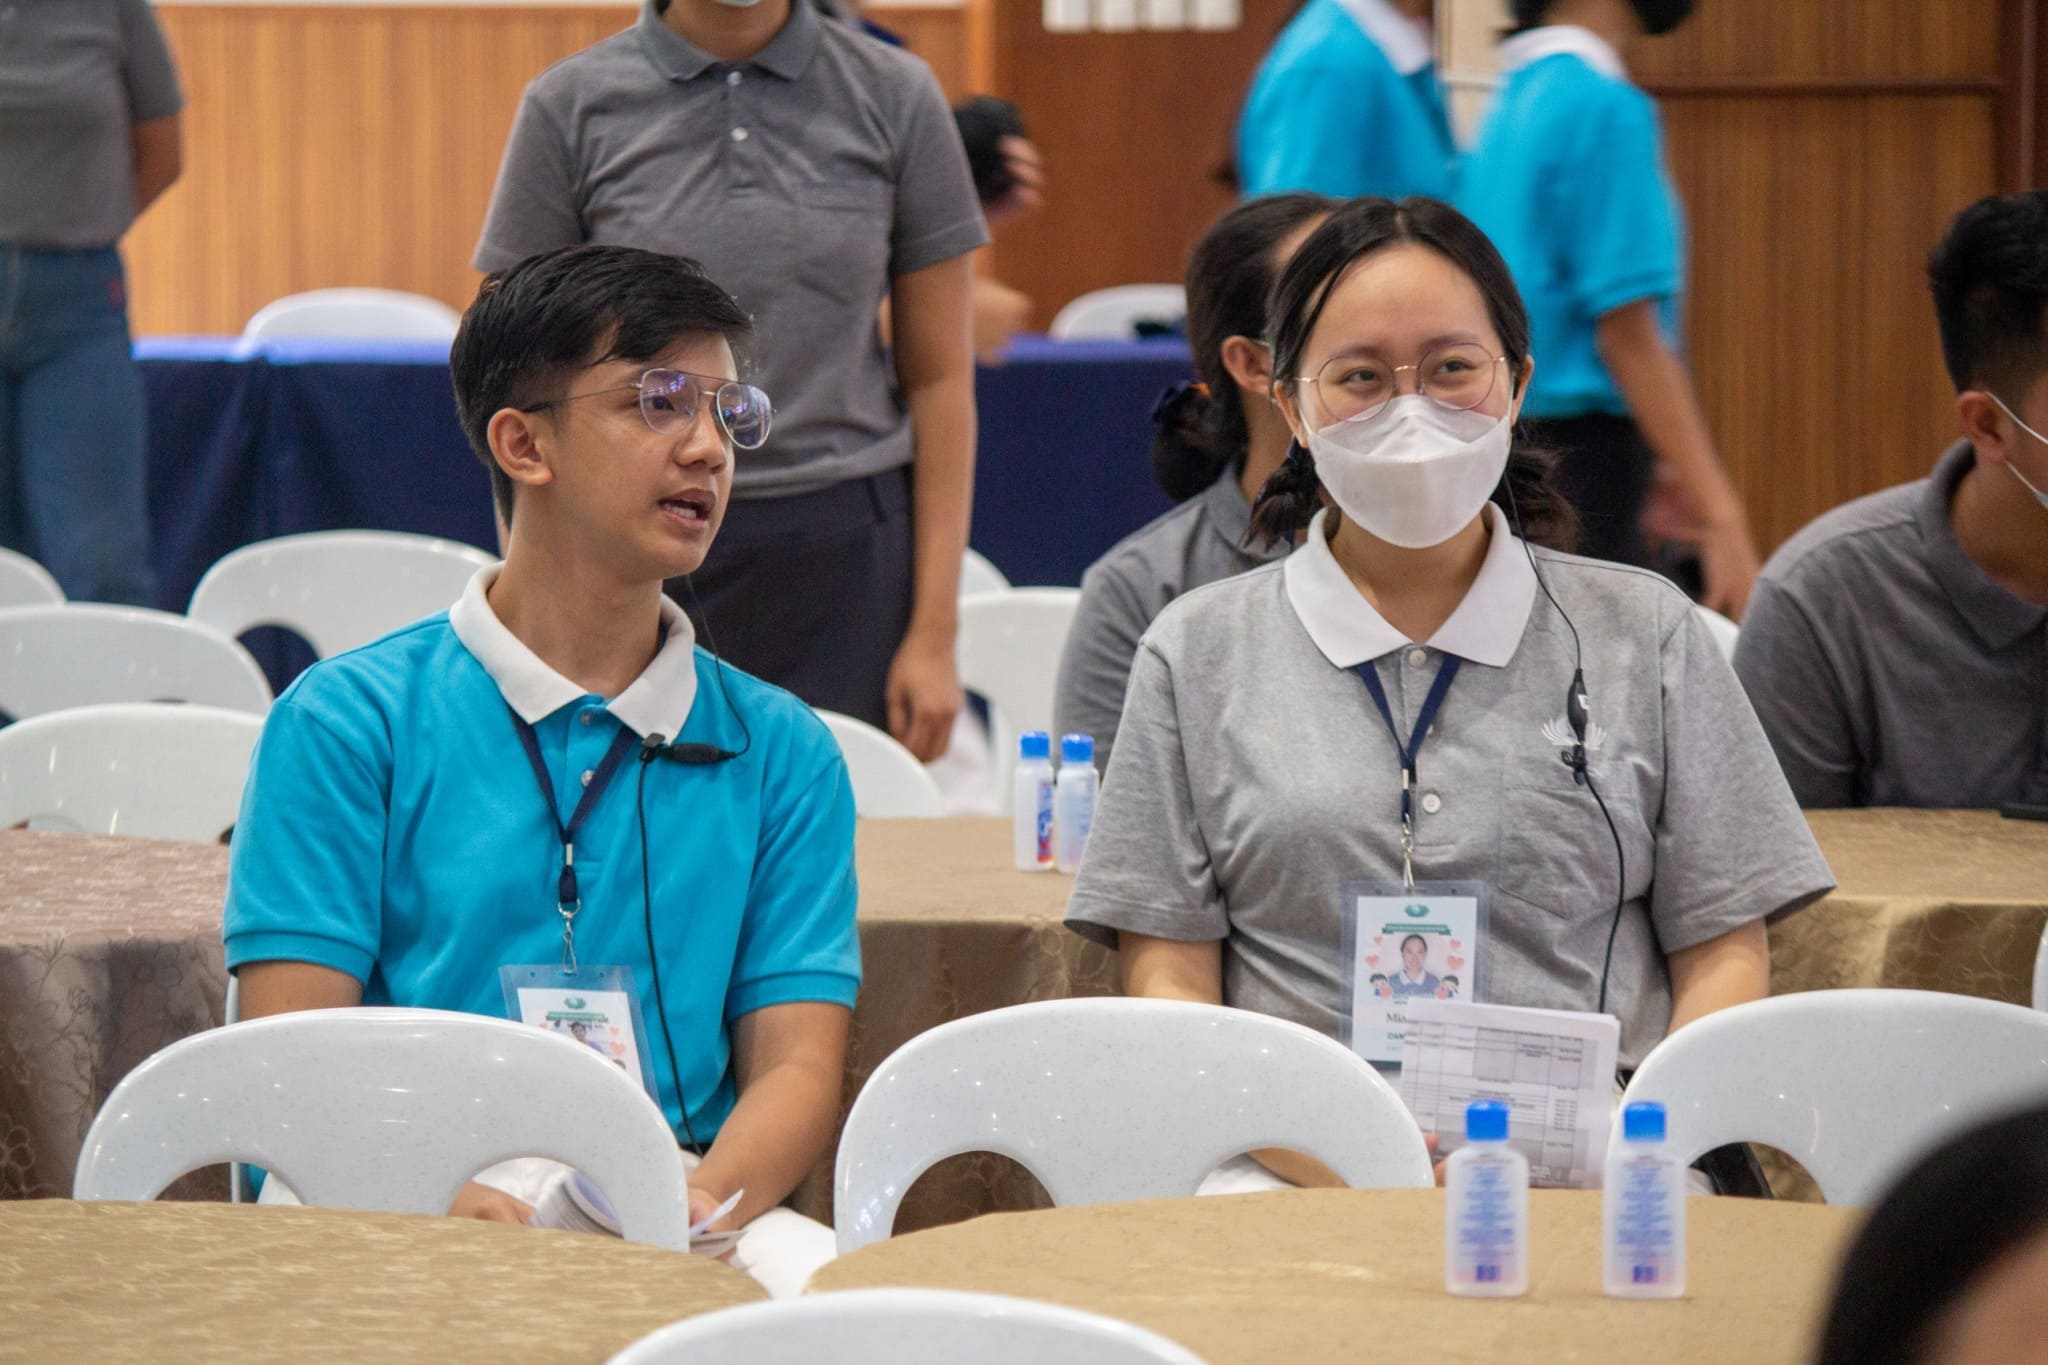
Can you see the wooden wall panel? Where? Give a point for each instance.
(357, 145)
(1818, 168)
(1133, 126)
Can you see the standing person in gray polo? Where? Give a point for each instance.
(89, 137)
(1217, 443)
(1896, 649)
(814, 171)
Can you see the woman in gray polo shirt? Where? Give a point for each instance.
(1217, 443)
(1256, 773)
(88, 139)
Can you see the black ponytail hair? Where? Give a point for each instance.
(1201, 427)
(1355, 231)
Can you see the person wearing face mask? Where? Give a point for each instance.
(814, 171)
(1895, 646)
(1568, 178)
(1258, 767)
(1218, 441)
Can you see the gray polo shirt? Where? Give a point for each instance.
(804, 180)
(1888, 669)
(76, 76)
(1254, 776)
(1198, 542)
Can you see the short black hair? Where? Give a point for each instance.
(1976, 1198)
(1415, 938)
(542, 320)
(1990, 280)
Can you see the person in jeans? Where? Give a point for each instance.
(89, 138)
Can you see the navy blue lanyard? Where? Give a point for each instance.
(1446, 672)
(568, 898)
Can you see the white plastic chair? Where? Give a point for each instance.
(338, 589)
(85, 653)
(134, 768)
(888, 781)
(1009, 652)
(1853, 1084)
(2041, 973)
(978, 575)
(391, 1110)
(1107, 1099)
(25, 583)
(1724, 631)
(365, 314)
(1112, 314)
(903, 1327)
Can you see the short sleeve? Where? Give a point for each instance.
(146, 66)
(1095, 664)
(1732, 846)
(306, 868)
(799, 941)
(1147, 868)
(1799, 698)
(1620, 232)
(1313, 134)
(938, 214)
(535, 205)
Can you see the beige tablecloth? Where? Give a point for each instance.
(109, 949)
(1357, 1275)
(189, 1282)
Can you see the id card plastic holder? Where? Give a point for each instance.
(1426, 941)
(598, 1007)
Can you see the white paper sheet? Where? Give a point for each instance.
(1554, 1068)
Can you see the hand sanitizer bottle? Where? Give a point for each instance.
(1073, 801)
(1486, 1209)
(1642, 1205)
(1031, 802)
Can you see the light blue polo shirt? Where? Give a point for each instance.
(1347, 103)
(1568, 179)
(393, 829)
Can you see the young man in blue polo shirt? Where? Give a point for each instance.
(396, 845)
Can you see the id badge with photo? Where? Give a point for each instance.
(598, 1007)
(1401, 943)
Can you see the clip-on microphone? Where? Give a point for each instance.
(1577, 706)
(689, 755)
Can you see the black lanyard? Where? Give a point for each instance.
(1445, 673)
(568, 899)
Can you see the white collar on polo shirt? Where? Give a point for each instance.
(1405, 41)
(656, 702)
(1562, 40)
(1485, 629)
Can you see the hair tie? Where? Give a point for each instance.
(1171, 408)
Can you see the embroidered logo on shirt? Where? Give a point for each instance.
(1559, 732)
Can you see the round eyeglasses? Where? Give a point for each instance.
(1358, 385)
(669, 400)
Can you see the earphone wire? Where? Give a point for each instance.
(1578, 760)
(646, 879)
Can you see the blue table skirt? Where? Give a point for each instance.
(249, 442)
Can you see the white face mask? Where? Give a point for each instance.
(1415, 473)
(2038, 493)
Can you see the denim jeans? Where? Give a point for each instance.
(71, 423)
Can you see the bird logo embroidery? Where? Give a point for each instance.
(1559, 732)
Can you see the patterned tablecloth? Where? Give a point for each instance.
(110, 949)
(190, 1282)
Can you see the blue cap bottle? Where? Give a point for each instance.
(1486, 1121)
(1643, 1121)
(1077, 748)
(1034, 744)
